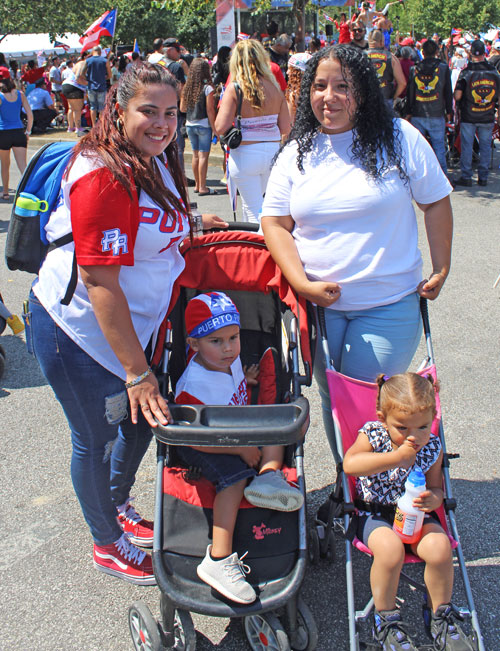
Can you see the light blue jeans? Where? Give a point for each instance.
(434, 129)
(364, 343)
(467, 133)
(107, 446)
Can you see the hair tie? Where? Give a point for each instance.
(385, 378)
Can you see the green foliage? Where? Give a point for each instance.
(429, 16)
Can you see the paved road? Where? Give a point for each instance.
(52, 597)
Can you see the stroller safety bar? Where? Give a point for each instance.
(249, 425)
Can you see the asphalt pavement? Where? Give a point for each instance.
(52, 596)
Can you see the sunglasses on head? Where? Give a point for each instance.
(358, 29)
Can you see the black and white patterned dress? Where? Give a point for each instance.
(388, 486)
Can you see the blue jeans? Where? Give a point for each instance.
(364, 343)
(223, 470)
(467, 133)
(97, 100)
(434, 129)
(199, 137)
(107, 447)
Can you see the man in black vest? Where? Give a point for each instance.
(389, 72)
(430, 99)
(358, 33)
(476, 94)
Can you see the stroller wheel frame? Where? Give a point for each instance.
(144, 628)
(313, 546)
(305, 637)
(265, 632)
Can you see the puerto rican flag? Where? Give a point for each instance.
(103, 26)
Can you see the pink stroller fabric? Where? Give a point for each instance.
(353, 404)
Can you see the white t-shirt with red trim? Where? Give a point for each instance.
(198, 385)
(110, 228)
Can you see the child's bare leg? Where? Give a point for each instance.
(272, 458)
(435, 550)
(226, 505)
(388, 557)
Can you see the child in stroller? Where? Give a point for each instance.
(406, 407)
(215, 375)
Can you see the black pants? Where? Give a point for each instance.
(42, 119)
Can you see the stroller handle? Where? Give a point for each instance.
(229, 426)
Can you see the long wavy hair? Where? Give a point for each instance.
(375, 144)
(108, 142)
(199, 76)
(249, 64)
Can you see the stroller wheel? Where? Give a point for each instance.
(265, 633)
(143, 628)
(313, 546)
(330, 548)
(184, 633)
(306, 636)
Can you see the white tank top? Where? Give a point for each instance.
(263, 128)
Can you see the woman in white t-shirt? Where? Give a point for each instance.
(339, 221)
(197, 102)
(124, 201)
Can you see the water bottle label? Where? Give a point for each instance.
(404, 523)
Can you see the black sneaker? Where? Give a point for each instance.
(482, 182)
(446, 632)
(462, 181)
(391, 632)
(190, 182)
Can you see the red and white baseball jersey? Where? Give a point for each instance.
(198, 385)
(109, 228)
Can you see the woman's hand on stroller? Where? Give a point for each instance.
(251, 456)
(146, 396)
(210, 221)
(321, 293)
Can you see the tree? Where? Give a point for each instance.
(426, 17)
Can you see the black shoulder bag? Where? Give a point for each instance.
(232, 138)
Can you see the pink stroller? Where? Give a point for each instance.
(353, 404)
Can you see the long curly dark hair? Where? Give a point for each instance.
(199, 76)
(375, 144)
(108, 142)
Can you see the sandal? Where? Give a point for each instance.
(210, 192)
(5, 196)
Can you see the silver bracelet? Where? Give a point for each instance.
(197, 223)
(137, 380)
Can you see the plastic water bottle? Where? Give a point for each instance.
(27, 205)
(408, 519)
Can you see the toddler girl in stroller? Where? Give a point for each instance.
(215, 375)
(381, 459)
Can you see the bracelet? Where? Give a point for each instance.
(28, 133)
(137, 380)
(197, 224)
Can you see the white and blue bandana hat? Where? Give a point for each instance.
(207, 313)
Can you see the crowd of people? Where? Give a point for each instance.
(334, 150)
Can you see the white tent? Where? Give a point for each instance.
(27, 46)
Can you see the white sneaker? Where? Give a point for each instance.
(227, 576)
(271, 491)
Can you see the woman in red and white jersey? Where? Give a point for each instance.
(124, 199)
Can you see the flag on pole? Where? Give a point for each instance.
(242, 36)
(64, 46)
(103, 26)
(327, 17)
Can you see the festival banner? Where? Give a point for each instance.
(224, 13)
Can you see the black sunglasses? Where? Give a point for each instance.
(358, 29)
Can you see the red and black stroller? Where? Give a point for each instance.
(353, 404)
(272, 319)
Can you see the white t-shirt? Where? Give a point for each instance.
(155, 57)
(105, 229)
(204, 122)
(200, 385)
(350, 229)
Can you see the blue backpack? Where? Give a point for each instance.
(36, 198)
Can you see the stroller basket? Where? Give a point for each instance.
(223, 425)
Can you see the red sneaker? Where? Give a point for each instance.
(124, 560)
(140, 531)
